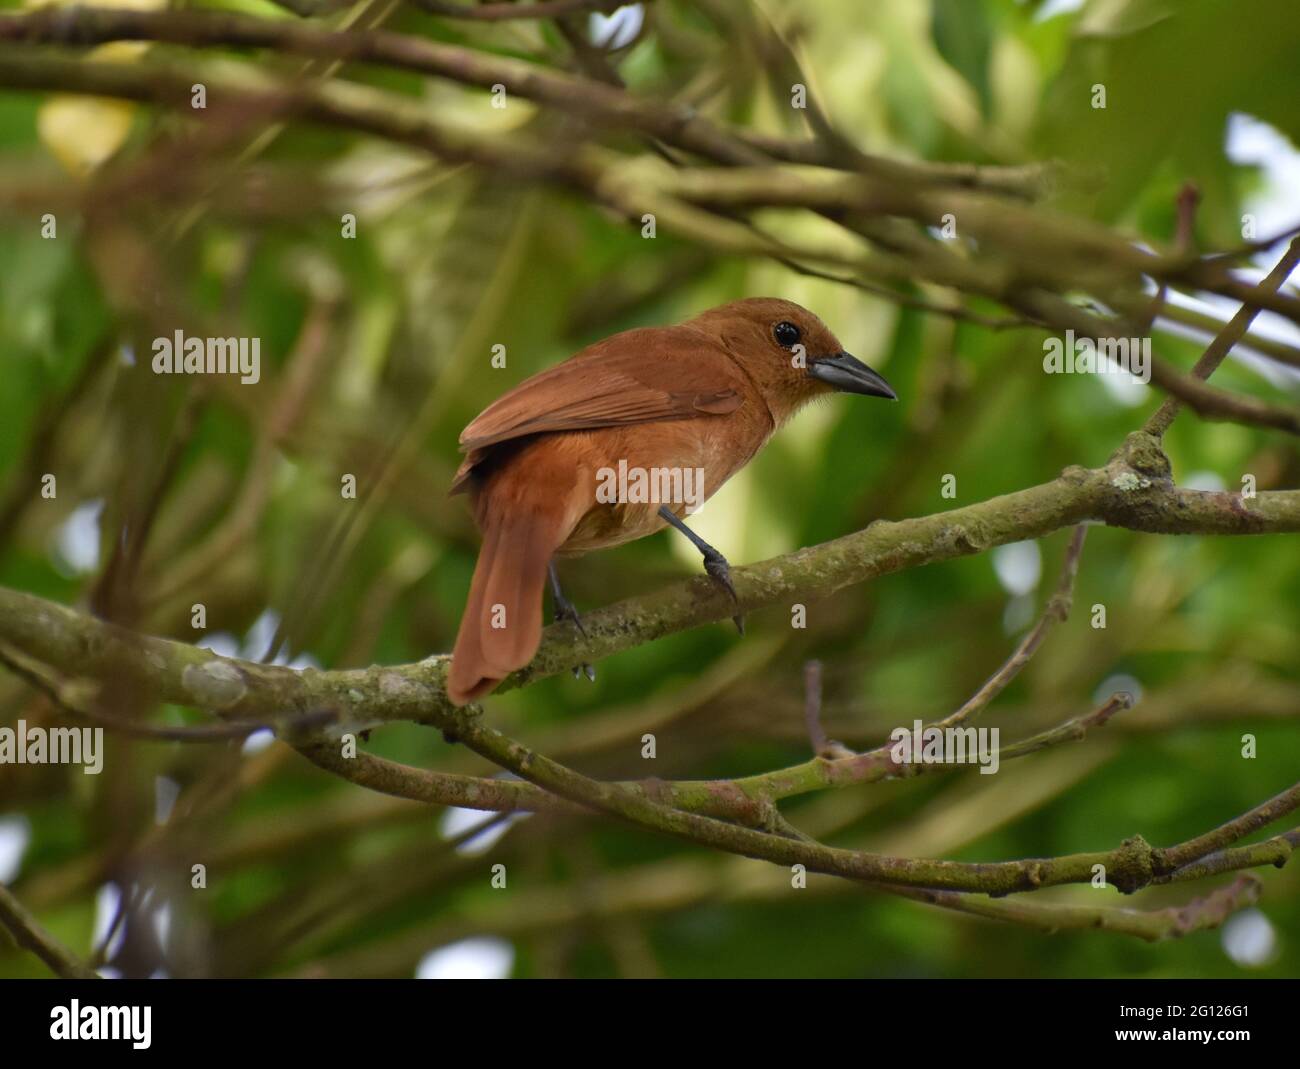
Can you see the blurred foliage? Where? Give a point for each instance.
(389, 335)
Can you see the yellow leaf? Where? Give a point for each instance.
(84, 132)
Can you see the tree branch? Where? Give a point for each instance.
(1173, 922)
(678, 125)
(28, 933)
(501, 12)
(183, 673)
(1219, 402)
(1039, 251)
(1133, 491)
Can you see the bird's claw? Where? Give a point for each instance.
(564, 610)
(715, 564)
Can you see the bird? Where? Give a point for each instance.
(696, 400)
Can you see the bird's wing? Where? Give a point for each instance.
(636, 377)
(640, 376)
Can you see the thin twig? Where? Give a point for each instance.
(503, 12)
(29, 934)
(1172, 922)
(1177, 857)
(1056, 611)
(1210, 402)
(1223, 342)
(907, 300)
(812, 712)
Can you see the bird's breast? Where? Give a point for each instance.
(628, 474)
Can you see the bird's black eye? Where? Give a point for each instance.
(787, 334)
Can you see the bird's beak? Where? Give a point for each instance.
(850, 375)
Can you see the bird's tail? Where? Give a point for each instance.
(502, 625)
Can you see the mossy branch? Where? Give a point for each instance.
(1133, 490)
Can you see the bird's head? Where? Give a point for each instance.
(791, 355)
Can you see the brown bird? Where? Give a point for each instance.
(612, 444)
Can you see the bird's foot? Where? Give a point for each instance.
(564, 610)
(720, 572)
(835, 751)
